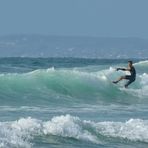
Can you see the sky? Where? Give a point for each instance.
(101, 18)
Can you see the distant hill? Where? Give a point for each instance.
(60, 46)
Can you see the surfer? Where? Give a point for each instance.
(131, 78)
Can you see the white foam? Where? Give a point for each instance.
(144, 79)
(143, 82)
(142, 62)
(68, 126)
(133, 129)
(20, 133)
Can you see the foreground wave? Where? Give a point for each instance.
(23, 132)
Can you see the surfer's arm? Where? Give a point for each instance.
(123, 69)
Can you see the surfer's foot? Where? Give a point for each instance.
(115, 82)
(126, 86)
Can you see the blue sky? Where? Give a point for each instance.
(103, 18)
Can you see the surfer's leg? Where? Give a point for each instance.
(129, 82)
(121, 78)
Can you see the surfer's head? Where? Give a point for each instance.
(130, 63)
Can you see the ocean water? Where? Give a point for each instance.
(66, 102)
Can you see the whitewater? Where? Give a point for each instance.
(68, 102)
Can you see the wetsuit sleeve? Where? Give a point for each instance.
(121, 69)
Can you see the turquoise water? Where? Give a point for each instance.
(65, 102)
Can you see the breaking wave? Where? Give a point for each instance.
(71, 85)
(22, 132)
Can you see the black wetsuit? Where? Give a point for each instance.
(131, 77)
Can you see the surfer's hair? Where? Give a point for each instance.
(131, 62)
